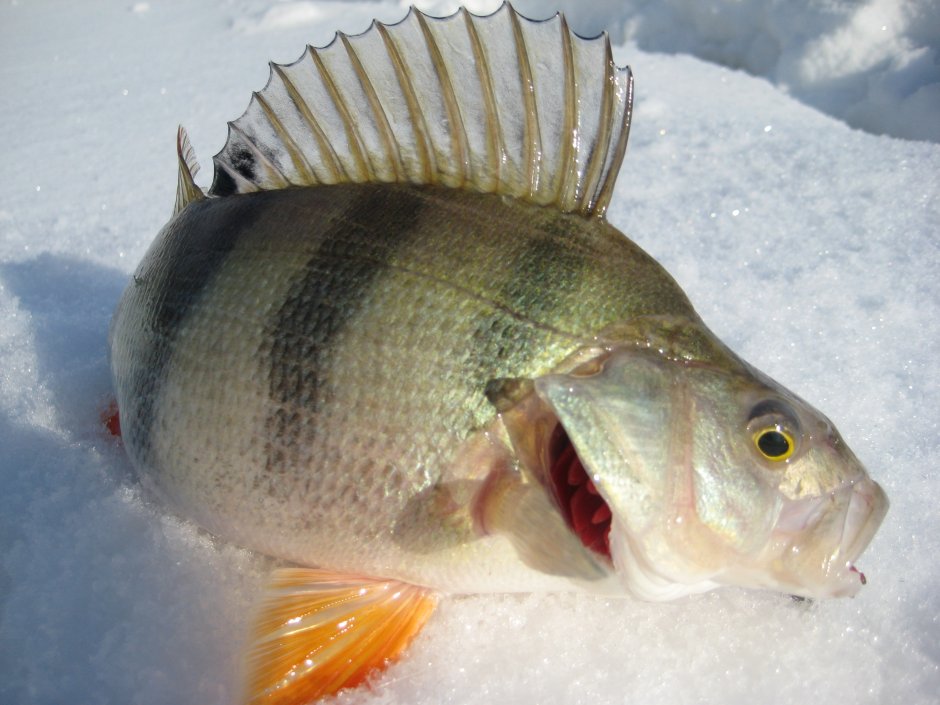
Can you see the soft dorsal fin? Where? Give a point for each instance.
(497, 104)
(186, 189)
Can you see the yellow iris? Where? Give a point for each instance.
(774, 443)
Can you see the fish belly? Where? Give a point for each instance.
(302, 371)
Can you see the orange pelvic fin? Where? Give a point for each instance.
(320, 631)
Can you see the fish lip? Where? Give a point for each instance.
(864, 512)
(847, 519)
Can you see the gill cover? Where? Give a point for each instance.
(629, 421)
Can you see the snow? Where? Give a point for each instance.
(874, 64)
(808, 245)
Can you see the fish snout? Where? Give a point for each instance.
(827, 535)
(865, 509)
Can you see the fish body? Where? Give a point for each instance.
(398, 345)
(314, 385)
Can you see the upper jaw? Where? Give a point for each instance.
(865, 507)
(866, 510)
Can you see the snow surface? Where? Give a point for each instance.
(874, 64)
(809, 246)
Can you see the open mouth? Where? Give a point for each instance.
(585, 511)
(543, 446)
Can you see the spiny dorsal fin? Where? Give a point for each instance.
(498, 104)
(186, 189)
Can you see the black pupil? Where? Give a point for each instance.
(773, 444)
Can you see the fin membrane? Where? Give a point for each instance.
(497, 104)
(320, 631)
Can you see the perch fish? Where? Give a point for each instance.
(397, 345)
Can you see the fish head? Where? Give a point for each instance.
(713, 474)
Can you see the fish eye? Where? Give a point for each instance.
(774, 428)
(774, 443)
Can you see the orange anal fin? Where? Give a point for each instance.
(319, 632)
(111, 419)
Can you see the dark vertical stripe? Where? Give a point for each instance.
(167, 287)
(352, 255)
(539, 283)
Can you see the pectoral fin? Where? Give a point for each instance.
(320, 631)
(524, 514)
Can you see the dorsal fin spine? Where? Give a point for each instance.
(392, 151)
(418, 127)
(599, 153)
(496, 149)
(571, 108)
(457, 134)
(296, 156)
(242, 185)
(363, 165)
(331, 161)
(281, 180)
(532, 139)
(607, 188)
